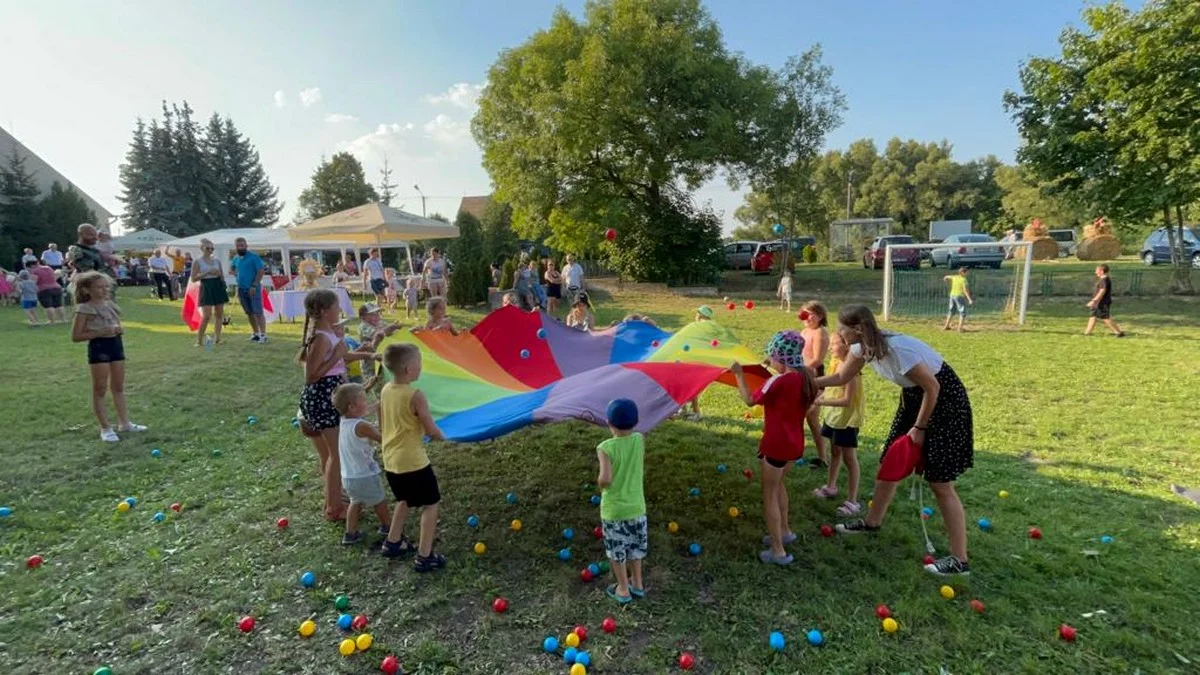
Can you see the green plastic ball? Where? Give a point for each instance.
(341, 602)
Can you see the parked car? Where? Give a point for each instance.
(1066, 241)
(767, 252)
(909, 257)
(739, 254)
(1157, 247)
(961, 256)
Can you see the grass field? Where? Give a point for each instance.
(1085, 433)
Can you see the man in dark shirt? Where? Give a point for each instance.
(1101, 303)
(87, 257)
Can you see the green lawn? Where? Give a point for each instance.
(1085, 433)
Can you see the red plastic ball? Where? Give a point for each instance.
(598, 532)
(281, 523)
(609, 625)
(748, 474)
(687, 661)
(826, 531)
(586, 575)
(176, 507)
(928, 560)
(610, 234)
(731, 306)
(977, 606)
(1035, 533)
(883, 612)
(34, 561)
(1067, 633)
(715, 343)
(499, 605)
(359, 622)
(749, 304)
(581, 631)
(390, 665)
(246, 624)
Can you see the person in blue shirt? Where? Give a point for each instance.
(249, 271)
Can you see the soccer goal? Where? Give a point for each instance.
(999, 285)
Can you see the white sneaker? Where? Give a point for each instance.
(134, 427)
(262, 339)
(254, 338)
(109, 436)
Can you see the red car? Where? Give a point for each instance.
(906, 257)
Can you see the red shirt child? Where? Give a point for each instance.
(782, 399)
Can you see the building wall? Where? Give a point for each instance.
(45, 175)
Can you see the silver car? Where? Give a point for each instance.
(951, 255)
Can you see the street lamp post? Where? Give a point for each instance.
(849, 182)
(418, 189)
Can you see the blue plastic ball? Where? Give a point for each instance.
(550, 645)
(296, 422)
(801, 462)
(721, 468)
(308, 579)
(251, 420)
(345, 621)
(777, 228)
(568, 534)
(159, 517)
(815, 638)
(694, 492)
(524, 353)
(687, 348)
(927, 511)
(777, 641)
(583, 658)
(694, 549)
(595, 500)
(472, 521)
(985, 524)
(541, 333)
(564, 554)
(156, 453)
(569, 655)
(511, 498)
(1103, 540)
(131, 501)
(5, 511)
(594, 569)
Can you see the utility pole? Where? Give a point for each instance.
(849, 182)
(418, 189)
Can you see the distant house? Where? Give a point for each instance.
(475, 205)
(45, 175)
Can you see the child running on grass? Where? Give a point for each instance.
(622, 501)
(960, 297)
(816, 345)
(98, 321)
(405, 421)
(843, 418)
(785, 291)
(785, 398)
(356, 450)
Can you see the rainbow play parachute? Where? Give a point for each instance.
(517, 368)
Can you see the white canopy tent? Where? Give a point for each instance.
(257, 239)
(374, 225)
(141, 241)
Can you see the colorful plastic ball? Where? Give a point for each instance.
(252, 420)
(977, 606)
(815, 638)
(883, 612)
(826, 531)
(359, 622)
(472, 521)
(515, 525)
(345, 621)
(985, 524)
(731, 306)
(694, 492)
(246, 624)
(176, 507)
(715, 343)
(721, 468)
(5, 511)
(890, 625)
(598, 532)
(570, 652)
(499, 605)
(748, 474)
(480, 548)
(1035, 533)
(672, 527)
(1106, 539)
(102, 670)
(564, 554)
(947, 592)
(608, 625)
(777, 228)
(927, 560)
(595, 500)
(159, 517)
(578, 668)
(541, 333)
(216, 453)
(594, 569)
(307, 628)
(610, 234)
(295, 422)
(694, 549)
(390, 665)
(131, 501)
(511, 498)
(1004, 494)
(122, 506)
(586, 575)
(282, 523)
(1067, 633)
(733, 512)
(346, 647)
(568, 534)
(295, 478)
(583, 658)
(749, 304)
(341, 602)
(550, 645)
(364, 642)
(308, 579)
(524, 353)
(927, 511)
(34, 561)
(580, 632)
(156, 453)
(572, 639)
(777, 641)
(687, 661)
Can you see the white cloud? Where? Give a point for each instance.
(461, 95)
(339, 118)
(310, 96)
(280, 99)
(447, 131)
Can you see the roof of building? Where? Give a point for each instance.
(45, 175)
(475, 205)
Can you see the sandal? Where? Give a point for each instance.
(768, 557)
(825, 492)
(621, 599)
(638, 593)
(788, 538)
(849, 508)
(397, 549)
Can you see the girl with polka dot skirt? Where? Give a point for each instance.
(785, 398)
(934, 414)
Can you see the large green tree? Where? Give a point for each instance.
(18, 207)
(1025, 198)
(59, 214)
(611, 121)
(1111, 121)
(246, 196)
(337, 184)
(471, 279)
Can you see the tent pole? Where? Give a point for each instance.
(411, 270)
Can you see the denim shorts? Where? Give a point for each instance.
(251, 299)
(958, 304)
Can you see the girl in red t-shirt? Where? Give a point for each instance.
(785, 398)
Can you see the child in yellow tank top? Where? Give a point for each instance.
(843, 416)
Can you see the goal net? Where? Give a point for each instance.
(997, 279)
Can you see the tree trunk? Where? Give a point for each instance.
(1181, 263)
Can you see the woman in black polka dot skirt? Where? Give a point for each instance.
(934, 412)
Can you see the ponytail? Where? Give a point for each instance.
(315, 302)
(305, 340)
(860, 319)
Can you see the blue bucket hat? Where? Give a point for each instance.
(787, 347)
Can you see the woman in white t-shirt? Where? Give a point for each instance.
(934, 412)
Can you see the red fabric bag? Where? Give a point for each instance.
(902, 458)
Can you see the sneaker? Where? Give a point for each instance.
(254, 338)
(134, 427)
(856, 526)
(398, 549)
(429, 563)
(383, 530)
(1121, 333)
(950, 565)
(109, 436)
(817, 463)
(351, 538)
(262, 339)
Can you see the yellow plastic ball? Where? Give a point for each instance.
(578, 669)
(363, 642)
(890, 625)
(572, 640)
(672, 527)
(480, 548)
(733, 512)
(870, 503)
(1004, 494)
(515, 525)
(307, 628)
(122, 506)
(346, 647)
(947, 592)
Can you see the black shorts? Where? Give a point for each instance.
(554, 290)
(415, 488)
(378, 286)
(842, 438)
(316, 406)
(777, 463)
(106, 350)
(1103, 311)
(50, 298)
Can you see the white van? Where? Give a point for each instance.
(1066, 241)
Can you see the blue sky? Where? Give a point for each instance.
(303, 79)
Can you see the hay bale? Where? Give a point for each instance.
(1098, 242)
(1043, 248)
